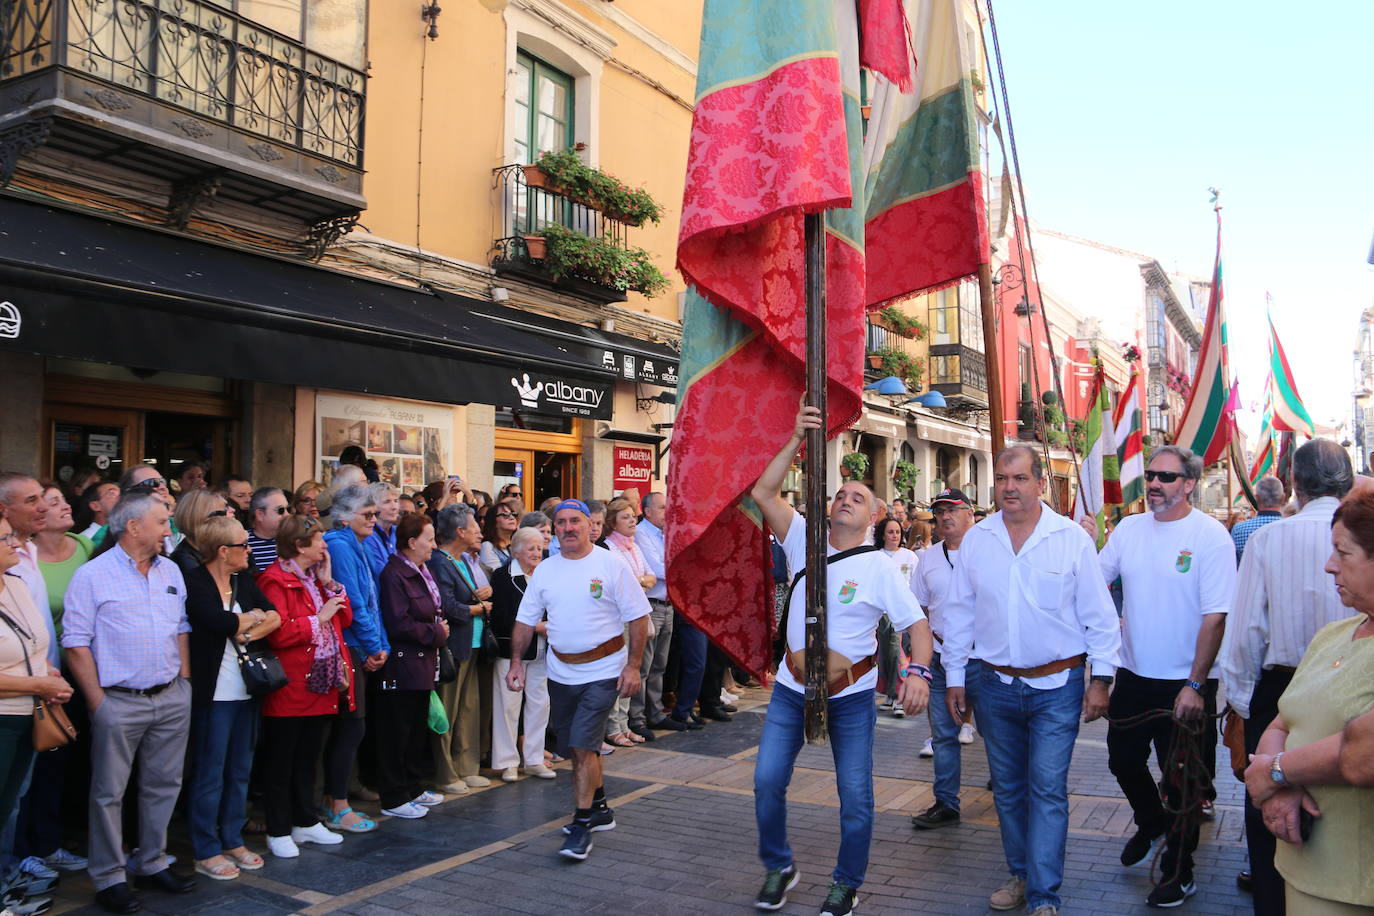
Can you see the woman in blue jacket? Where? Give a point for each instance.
(354, 512)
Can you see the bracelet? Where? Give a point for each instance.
(915, 668)
(1196, 685)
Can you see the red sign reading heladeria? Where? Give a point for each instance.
(634, 467)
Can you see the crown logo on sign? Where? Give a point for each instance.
(529, 394)
(10, 320)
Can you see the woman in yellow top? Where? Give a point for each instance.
(1295, 776)
(22, 634)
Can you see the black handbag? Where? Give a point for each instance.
(448, 668)
(490, 650)
(261, 669)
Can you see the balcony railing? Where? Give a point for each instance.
(526, 210)
(199, 57)
(880, 337)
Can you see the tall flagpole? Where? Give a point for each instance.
(817, 532)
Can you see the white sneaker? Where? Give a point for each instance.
(62, 860)
(409, 810)
(897, 711)
(966, 733)
(428, 799)
(283, 847)
(317, 833)
(541, 772)
(455, 788)
(887, 703)
(927, 749)
(510, 774)
(729, 698)
(477, 782)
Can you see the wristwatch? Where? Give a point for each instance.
(1103, 679)
(1276, 770)
(1196, 685)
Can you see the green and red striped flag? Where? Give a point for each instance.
(1263, 463)
(1209, 418)
(1099, 476)
(1288, 412)
(1130, 437)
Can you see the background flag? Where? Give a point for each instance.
(1099, 475)
(1263, 464)
(1207, 423)
(1288, 412)
(777, 133)
(1130, 436)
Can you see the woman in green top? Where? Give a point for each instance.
(1297, 765)
(59, 551)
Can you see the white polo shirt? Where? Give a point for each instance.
(588, 601)
(930, 584)
(1172, 573)
(860, 590)
(906, 561)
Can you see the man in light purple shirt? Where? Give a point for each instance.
(21, 500)
(125, 632)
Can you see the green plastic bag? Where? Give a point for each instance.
(438, 718)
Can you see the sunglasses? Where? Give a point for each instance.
(368, 516)
(152, 483)
(219, 513)
(306, 500)
(240, 544)
(309, 522)
(1163, 476)
(505, 515)
(282, 510)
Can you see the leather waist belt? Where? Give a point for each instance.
(1281, 669)
(1045, 670)
(609, 647)
(938, 638)
(842, 681)
(141, 691)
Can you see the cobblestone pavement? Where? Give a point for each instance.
(685, 842)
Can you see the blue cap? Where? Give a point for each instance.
(577, 504)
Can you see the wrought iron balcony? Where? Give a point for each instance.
(879, 338)
(186, 92)
(960, 373)
(520, 250)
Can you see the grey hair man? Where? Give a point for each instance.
(1269, 500)
(133, 669)
(1178, 571)
(21, 500)
(1283, 597)
(646, 707)
(266, 509)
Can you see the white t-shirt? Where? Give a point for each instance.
(905, 560)
(861, 590)
(588, 602)
(931, 582)
(229, 684)
(1172, 573)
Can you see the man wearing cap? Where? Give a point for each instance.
(1028, 592)
(953, 519)
(862, 585)
(589, 596)
(1178, 573)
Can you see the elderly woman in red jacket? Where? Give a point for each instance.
(417, 630)
(314, 611)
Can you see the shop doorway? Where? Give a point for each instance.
(544, 463)
(81, 438)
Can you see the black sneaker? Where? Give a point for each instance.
(602, 819)
(840, 901)
(937, 815)
(776, 884)
(668, 723)
(1139, 847)
(1171, 894)
(578, 843)
(692, 724)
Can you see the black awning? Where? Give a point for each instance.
(88, 288)
(630, 358)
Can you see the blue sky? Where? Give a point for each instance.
(1127, 113)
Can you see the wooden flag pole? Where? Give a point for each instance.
(817, 529)
(992, 357)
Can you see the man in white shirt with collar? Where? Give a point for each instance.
(1027, 590)
(861, 588)
(1178, 572)
(590, 596)
(1283, 597)
(646, 707)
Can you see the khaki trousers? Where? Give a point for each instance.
(459, 752)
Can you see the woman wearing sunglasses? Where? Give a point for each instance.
(223, 607)
(193, 511)
(497, 530)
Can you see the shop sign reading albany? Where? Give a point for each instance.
(632, 467)
(555, 395)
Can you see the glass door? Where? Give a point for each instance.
(78, 438)
(512, 466)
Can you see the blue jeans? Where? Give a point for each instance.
(944, 731)
(1029, 735)
(222, 738)
(692, 645)
(852, 720)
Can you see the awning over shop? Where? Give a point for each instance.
(956, 434)
(83, 287)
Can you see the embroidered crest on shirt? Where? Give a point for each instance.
(1184, 561)
(848, 590)
(596, 588)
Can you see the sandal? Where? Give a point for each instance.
(361, 825)
(246, 859)
(220, 871)
(252, 826)
(636, 739)
(619, 741)
(551, 758)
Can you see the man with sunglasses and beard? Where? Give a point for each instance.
(1178, 571)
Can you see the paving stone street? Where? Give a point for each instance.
(685, 842)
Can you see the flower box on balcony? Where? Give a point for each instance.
(565, 173)
(536, 247)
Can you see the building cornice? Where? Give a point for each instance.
(654, 41)
(559, 17)
(1156, 278)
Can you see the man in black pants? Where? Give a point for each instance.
(1178, 570)
(1283, 597)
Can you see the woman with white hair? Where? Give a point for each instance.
(507, 589)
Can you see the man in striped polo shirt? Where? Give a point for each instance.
(266, 511)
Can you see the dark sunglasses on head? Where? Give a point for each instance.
(219, 513)
(1163, 476)
(151, 483)
(309, 522)
(505, 515)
